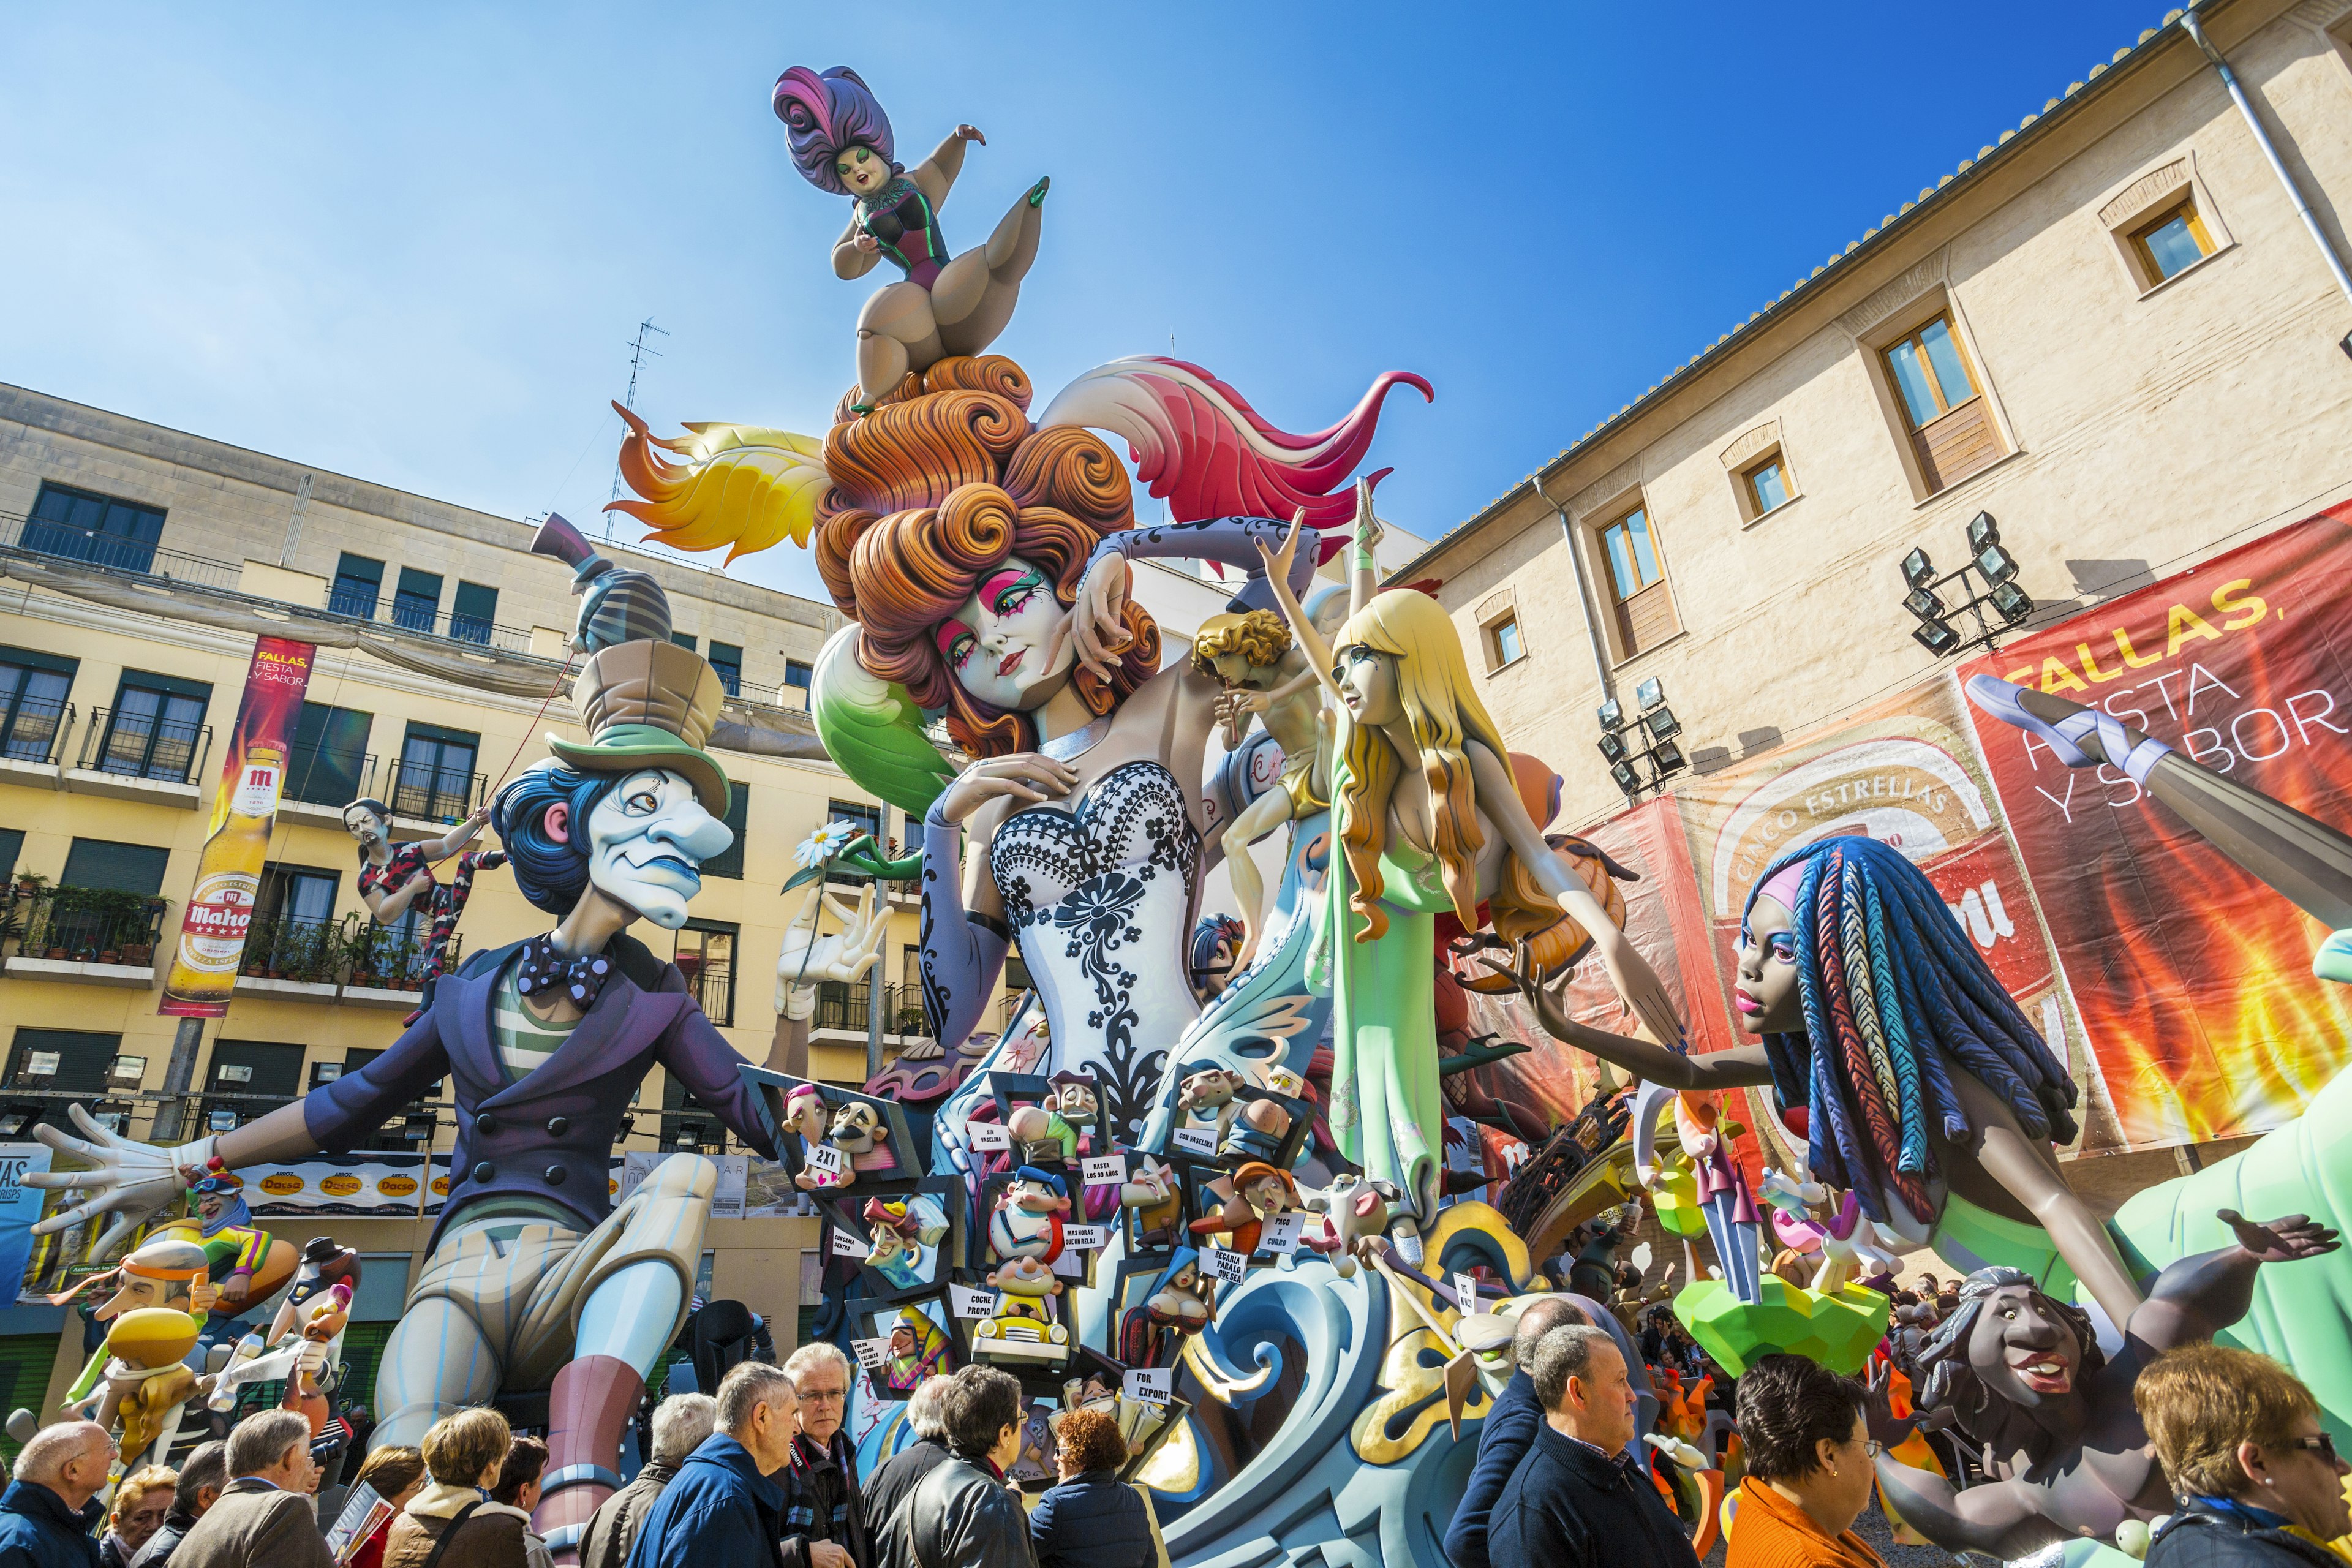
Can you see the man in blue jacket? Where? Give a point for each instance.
(1508, 1432)
(723, 1510)
(49, 1510)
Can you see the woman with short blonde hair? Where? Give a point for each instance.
(2240, 1438)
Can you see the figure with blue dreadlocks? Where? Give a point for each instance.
(1894, 1052)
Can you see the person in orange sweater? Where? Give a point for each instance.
(1810, 1468)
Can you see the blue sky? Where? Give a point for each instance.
(410, 243)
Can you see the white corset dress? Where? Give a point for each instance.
(1100, 899)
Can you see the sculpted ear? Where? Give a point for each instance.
(557, 823)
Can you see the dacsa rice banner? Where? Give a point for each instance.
(386, 1186)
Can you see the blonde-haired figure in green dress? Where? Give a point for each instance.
(1429, 820)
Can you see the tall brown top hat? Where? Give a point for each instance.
(645, 701)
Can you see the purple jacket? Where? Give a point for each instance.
(548, 1136)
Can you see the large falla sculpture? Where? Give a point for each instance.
(1213, 1204)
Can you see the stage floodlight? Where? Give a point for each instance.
(1650, 693)
(1996, 564)
(17, 1118)
(1983, 531)
(1613, 746)
(1667, 758)
(1924, 603)
(417, 1126)
(1917, 569)
(2013, 602)
(1936, 638)
(1662, 723)
(1628, 777)
(222, 1119)
(1613, 717)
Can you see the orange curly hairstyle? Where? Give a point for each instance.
(931, 492)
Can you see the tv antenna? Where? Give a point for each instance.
(638, 351)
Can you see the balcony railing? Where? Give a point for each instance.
(384, 958)
(36, 731)
(85, 925)
(435, 795)
(846, 1006)
(712, 984)
(141, 746)
(287, 947)
(39, 536)
(361, 603)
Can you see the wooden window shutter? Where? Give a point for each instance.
(1646, 620)
(1955, 445)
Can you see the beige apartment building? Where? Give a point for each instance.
(114, 714)
(2111, 329)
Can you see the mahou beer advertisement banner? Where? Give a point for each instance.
(245, 808)
(2193, 978)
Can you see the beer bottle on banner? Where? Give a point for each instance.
(220, 909)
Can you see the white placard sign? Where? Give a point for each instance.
(971, 1303)
(1069, 1265)
(825, 1157)
(1085, 1238)
(1225, 1264)
(1102, 1170)
(1281, 1233)
(871, 1353)
(1196, 1140)
(987, 1134)
(1151, 1385)
(1465, 1293)
(849, 1243)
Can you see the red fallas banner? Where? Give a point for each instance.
(2193, 980)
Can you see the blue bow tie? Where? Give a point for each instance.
(540, 967)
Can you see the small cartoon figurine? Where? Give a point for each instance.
(1216, 944)
(395, 879)
(1181, 1302)
(326, 1270)
(920, 1348)
(247, 1263)
(1351, 1209)
(1256, 1133)
(1260, 1191)
(1206, 1100)
(1024, 1323)
(1042, 1135)
(144, 1382)
(904, 1230)
(166, 1271)
(860, 1136)
(1028, 1218)
(841, 142)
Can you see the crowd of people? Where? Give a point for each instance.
(761, 1475)
(758, 1475)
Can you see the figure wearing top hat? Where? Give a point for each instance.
(533, 1279)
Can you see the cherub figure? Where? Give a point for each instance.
(841, 143)
(1265, 676)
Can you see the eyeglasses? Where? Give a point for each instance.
(828, 1395)
(2323, 1446)
(1871, 1447)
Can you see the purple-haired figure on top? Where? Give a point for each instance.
(841, 142)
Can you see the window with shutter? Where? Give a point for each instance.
(1952, 430)
(1645, 605)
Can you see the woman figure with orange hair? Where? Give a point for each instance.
(1002, 605)
(1430, 820)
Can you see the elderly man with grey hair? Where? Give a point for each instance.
(725, 1507)
(49, 1510)
(1508, 1432)
(1578, 1499)
(824, 1518)
(265, 1517)
(680, 1423)
(895, 1479)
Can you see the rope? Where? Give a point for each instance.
(561, 676)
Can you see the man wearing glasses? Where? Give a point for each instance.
(825, 1521)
